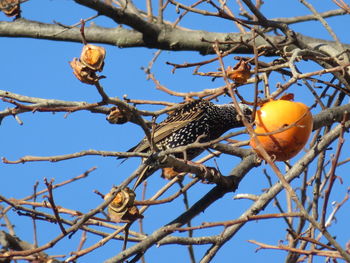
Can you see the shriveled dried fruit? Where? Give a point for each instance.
(93, 57)
(83, 73)
(240, 73)
(169, 173)
(10, 7)
(117, 116)
(276, 115)
(125, 198)
(122, 207)
(132, 214)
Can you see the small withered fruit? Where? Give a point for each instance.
(122, 207)
(240, 73)
(83, 73)
(10, 7)
(117, 116)
(169, 173)
(93, 57)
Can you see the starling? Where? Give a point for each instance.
(198, 118)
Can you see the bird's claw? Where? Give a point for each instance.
(210, 175)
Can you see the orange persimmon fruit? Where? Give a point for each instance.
(289, 125)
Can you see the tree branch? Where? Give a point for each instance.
(212, 196)
(174, 39)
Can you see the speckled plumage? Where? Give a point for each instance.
(184, 126)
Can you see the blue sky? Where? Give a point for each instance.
(40, 68)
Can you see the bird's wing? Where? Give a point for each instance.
(177, 120)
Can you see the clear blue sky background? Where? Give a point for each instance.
(40, 68)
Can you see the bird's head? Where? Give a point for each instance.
(246, 110)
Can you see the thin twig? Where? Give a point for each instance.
(53, 205)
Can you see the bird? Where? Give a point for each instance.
(195, 121)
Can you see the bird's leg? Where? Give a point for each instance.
(206, 174)
(169, 172)
(209, 174)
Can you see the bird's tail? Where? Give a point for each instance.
(145, 173)
(130, 150)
